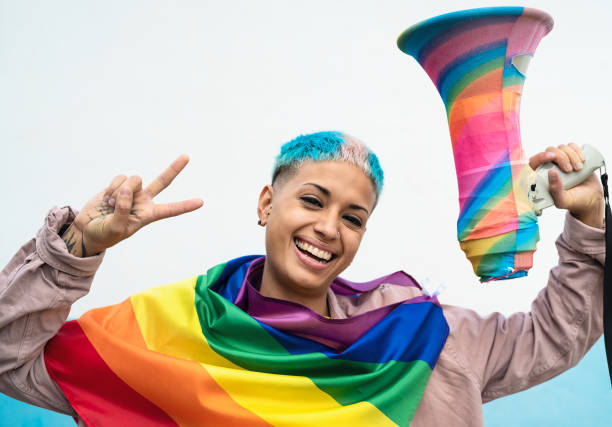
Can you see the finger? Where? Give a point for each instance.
(167, 176)
(113, 186)
(123, 206)
(573, 156)
(561, 159)
(538, 159)
(134, 183)
(560, 196)
(578, 150)
(174, 209)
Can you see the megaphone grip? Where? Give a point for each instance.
(539, 193)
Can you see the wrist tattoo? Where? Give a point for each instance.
(83, 251)
(70, 241)
(70, 238)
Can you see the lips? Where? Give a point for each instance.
(315, 253)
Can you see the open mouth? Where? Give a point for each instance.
(315, 253)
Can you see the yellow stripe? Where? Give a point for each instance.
(170, 325)
(479, 247)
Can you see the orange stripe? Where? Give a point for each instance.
(95, 392)
(181, 388)
(489, 83)
(523, 260)
(473, 100)
(502, 213)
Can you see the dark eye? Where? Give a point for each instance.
(353, 219)
(311, 201)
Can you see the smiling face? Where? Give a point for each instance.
(315, 220)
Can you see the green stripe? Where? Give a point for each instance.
(513, 76)
(213, 274)
(395, 388)
(470, 77)
(513, 80)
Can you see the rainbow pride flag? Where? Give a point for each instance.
(477, 59)
(185, 354)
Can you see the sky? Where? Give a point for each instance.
(94, 89)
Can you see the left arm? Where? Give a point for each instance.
(504, 355)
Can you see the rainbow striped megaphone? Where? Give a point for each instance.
(478, 59)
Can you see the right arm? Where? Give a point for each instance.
(51, 272)
(37, 288)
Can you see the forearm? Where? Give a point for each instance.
(37, 288)
(593, 216)
(565, 319)
(503, 355)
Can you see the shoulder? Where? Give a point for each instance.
(350, 299)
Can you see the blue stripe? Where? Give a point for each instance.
(500, 259)
(422, 38)
(468, 62)
(527, 237)
(410, 332)
(490, 185)
(510, 71)
(229, 282)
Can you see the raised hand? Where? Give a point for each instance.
(121, 209)
(584, 201)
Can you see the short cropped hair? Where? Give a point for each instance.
(326, 146)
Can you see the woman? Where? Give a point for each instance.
(282, 340)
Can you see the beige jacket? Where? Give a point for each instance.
(484, 357)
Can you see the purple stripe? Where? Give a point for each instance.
(296, 319)
(458, 28)
(342, 286)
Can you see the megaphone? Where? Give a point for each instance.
(478, 60)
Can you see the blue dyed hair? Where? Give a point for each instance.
(326, 146)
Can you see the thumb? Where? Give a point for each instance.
(123, 206)
(560, 196)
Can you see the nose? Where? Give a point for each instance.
(327, 225)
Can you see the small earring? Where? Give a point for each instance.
(338, 233)
(258, 222)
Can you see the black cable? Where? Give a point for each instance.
(607, 290)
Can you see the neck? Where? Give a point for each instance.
(273, 288)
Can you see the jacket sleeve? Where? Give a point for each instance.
(504, 355)
(37, 288)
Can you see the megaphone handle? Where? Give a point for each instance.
(541, 196)
(572, 179)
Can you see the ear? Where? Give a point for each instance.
(264, 205)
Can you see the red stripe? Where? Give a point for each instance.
(75, 365)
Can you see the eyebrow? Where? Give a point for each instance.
(328, 193)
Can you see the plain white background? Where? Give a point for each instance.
(93, 89)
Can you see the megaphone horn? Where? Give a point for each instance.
(477, 59)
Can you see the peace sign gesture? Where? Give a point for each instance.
(123, 208)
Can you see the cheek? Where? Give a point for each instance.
(351, 245)
(291, 219)
(280, 227)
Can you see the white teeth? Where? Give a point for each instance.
(319, 253)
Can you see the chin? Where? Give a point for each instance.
(307, 282)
